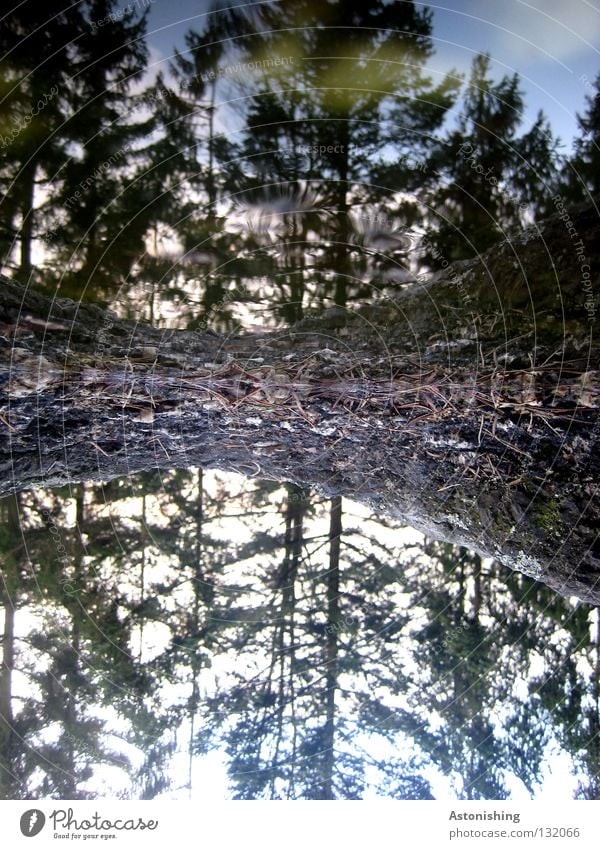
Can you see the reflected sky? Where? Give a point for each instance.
(553, 46)
(186, 652)
(179, 629)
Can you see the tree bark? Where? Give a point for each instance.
(467, 406)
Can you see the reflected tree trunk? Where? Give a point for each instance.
(71, 720)
(284, 637)
(73, 671)
(9, 601)
(591, 787)
(478, 596)
(6, 715)
(7, 735)
(195, 657)
(27, 177)
(142, 596)
(467, 407)
(211, 188)
(342, 263)
(331, 648)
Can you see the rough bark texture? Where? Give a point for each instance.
(468, 406)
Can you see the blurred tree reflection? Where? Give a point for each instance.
(488, 177)
(149, 621)
(581, 177)
(38, 48)
(315, 658)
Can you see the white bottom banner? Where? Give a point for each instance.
(274, 825)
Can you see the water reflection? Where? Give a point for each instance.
(180, 623)
(159, 628)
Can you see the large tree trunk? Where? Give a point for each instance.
(467, 407)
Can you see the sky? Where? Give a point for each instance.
(553, 44)
(550, 43)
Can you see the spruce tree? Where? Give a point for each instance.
(38, 45)
(581, 176)
(488, 177)
(98, 226)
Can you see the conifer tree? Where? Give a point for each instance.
(581, 176)
(488, 177)
(38, 51)
(94, 227)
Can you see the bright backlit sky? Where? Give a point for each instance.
(553, 44)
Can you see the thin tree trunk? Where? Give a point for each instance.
(342, 264)
(477, 589)
(7, 737)
(594, 717)
(468, 407)
(142, 596)
(283, 650)
(8, 601)
(27, 178)
(210, 179)
(70, 721)
(331, 648)
(194, 700)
